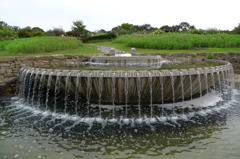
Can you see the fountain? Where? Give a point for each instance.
(120, 81)
(122, 107)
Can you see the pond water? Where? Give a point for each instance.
(27, 132)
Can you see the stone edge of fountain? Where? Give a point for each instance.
(137, 73)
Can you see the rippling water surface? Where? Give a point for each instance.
(27, 133)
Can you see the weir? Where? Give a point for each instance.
(73, 89)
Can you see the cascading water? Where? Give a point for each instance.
(56, 90)
(48, 88)
(104, 111)
(126, 92)
(100, 85)
(89, 89)
(40, 88)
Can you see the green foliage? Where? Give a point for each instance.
(28, 32)
(58, 31)
(198, 31)
(3, 44)
(25, 32)
(158, 31)
(7, 34)
(212, 31)
(175, 41)
(182, 27)
(210, 56)
(9, 89)
(127, 28)
(236, 30)
(3, 24)
(99, 38)
(78, 28)
(39, 44)
(50, 33)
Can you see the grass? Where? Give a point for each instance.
(41, 44)
(187, 65)
(124, 47)
(84, 49)
(179, 41)
(90, 49)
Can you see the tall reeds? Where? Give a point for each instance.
(40, 44)
(178, 41)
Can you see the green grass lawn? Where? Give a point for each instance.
(179, 41)
(91, 49)
(126, 48)
(85, 49)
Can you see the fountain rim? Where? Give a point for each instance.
(134, 73)
(128, 58)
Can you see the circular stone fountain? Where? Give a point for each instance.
(128, 81)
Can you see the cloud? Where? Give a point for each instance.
(106, 14)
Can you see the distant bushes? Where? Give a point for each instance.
(99, 38)
(39, 44)
(175, 41)
(30, 32)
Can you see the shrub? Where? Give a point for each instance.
(158, 31)
(99, 38)
(210, 56)
(236, 30)
(28, 32)
(6, 34)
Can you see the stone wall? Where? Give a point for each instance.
(10, 66)
(233, 58)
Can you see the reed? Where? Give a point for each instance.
(40, 44)
(179, 41)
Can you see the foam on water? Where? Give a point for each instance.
(20, 110)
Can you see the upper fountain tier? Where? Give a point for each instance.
(120, 58)
(140, 61)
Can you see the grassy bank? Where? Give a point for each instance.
(179, 41)
(39, 44)
(86, 48)
(126, 48)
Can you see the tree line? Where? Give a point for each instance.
(78, 29)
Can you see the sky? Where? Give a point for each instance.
(106, 14)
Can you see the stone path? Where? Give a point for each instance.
(106, 49)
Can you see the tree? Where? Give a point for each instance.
(3, 24)
(25, 32)
(28, 32)
(184, 26)
(102, 31)
(14, 28)
(6, 34)
(78, 28)
(165, 28)
(58, 31)
(126, 26)
(236, 30)
(37, 29)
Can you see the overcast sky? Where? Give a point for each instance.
(106, 14)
